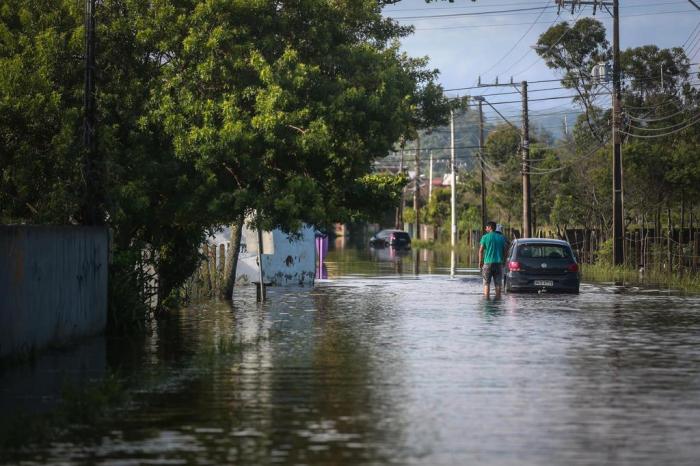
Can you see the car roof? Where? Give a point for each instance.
(521, 241)
(392, 231)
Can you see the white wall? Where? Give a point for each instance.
(286, 260)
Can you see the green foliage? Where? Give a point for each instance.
(409, 215)
(40, 111)
(286, 125)
(438, 208)
(373, 195)
(575, 49)
(206, 110)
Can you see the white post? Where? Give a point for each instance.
(453, 201)
(430, 186)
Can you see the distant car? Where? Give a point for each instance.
(534, 264)
(394, 238)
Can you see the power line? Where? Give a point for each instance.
(517, 42)
(654, 136)
(665, 128)
(515, 12)
(475, 13)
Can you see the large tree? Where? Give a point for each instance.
(206, 110)
(284, 105)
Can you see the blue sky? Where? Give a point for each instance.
(464, 47)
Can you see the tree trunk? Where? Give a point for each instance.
(232, 258)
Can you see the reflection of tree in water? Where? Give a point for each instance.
(302, 377)
(329, 377)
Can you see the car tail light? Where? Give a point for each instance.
(514, 266)
(572, 267)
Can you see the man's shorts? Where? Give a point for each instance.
(494, 271)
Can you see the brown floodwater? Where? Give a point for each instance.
(391, 360)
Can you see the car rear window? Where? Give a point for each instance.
(401, 235)
(544, 251)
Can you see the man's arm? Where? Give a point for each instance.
(481, 255)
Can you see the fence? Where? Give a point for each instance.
(53, 285)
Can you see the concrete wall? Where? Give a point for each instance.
(53, 285)
(286, 260)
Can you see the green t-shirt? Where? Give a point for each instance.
(493, 244)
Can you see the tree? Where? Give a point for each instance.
(284, 110)
(207, 111)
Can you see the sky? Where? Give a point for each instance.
(499, 44)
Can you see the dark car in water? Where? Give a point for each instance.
(394, 238)
(534, 264)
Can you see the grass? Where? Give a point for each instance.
(688, 281)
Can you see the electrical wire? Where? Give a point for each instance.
(541, 172)
(507, 12)
(654, 120)
(655, 136)
(517, 42)
(640, 128)
(517, 73)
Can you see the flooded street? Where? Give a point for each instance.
(379, 364)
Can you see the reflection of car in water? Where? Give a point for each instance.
(541, 264)
(389, 253)
(395, 238)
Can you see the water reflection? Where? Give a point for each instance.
(384, 365)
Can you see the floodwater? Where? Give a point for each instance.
(379, 364)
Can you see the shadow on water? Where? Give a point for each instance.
(389, 360)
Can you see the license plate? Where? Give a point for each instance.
(544, 283)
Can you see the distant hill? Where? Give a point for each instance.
(437, 141)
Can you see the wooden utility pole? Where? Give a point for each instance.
(618, 218)
(618, 225)
(525, 153)
(527, 213)
(481, 158)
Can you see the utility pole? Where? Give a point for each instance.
(416, 190)
(618, 225)
(430, 185)
(525, 153)
(399, 209)
(481, 159)
(527, 213)
(91, 199)
(453, 184)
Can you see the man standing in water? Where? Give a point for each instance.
(491, 254)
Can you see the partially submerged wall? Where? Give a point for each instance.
(287, 260)
(53, 285)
